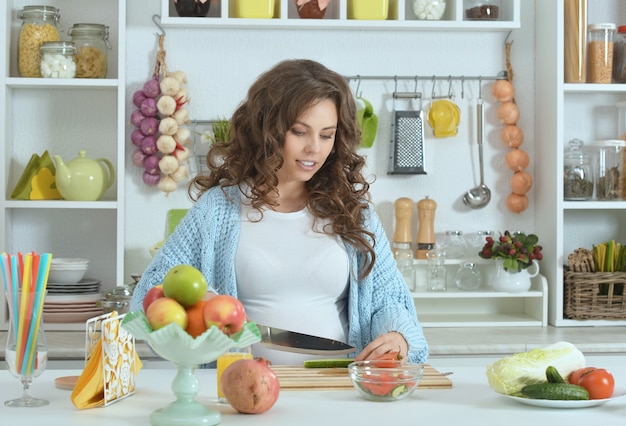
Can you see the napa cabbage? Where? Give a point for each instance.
(510, 374)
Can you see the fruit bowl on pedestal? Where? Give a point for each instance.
(175, 344)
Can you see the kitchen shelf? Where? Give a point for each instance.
(482, 307)
(568, 111)
(64, 116)
(400, 17)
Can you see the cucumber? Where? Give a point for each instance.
(398, 390)
(556, 391)
(328, 363)
(553, 376)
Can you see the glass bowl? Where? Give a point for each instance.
(383, 380)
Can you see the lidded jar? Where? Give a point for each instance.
(610, 167)
(619, 55)
(39, 24)
(600, 46)
(92, 41)
(57, 59)
(454, 244)
(468, 277)
(577, 173)
(482, 10)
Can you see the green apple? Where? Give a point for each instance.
(185, 284)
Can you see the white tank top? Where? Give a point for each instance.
(291, 277)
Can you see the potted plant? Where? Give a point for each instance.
(312, 9)
(517, 250)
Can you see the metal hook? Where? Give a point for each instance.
(432, 95)
(157, 21)
(480, 87)
(462, 87)
(450, 86)
(507, 37)
(416, 83)
(358, 85)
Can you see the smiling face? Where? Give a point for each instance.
(308, 143)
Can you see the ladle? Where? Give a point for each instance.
(479, 197)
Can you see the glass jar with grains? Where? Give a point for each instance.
(92, 41)
(600, 43)
(482, 10)
(39, 24)
(577, 173)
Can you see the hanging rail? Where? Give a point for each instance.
(501, 76)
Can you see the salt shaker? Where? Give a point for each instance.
(436, 270)
(468, 277)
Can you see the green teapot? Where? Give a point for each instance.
(83, 178)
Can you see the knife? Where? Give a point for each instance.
(291, 341)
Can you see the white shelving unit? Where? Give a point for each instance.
(400, 17)
(568, 111)
(64, 116)
(483, 307)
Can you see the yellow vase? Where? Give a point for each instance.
(368, 9)
(254, 9)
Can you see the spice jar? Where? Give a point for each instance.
(92, 41)
(481, 10)
(610, 183)
(39, 24)
(577, 173)
(600, 46)
(619, 55)
(454, 244)
(57, 59)
(468, 277)
(437, 277)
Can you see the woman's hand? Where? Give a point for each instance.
(388, 342)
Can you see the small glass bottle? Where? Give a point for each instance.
(619, 55)
(39, 24)
(468, 277)
(404, 259)
(600, 44)
(58, 59)
(481, 10)
(454, 244)
(92, 41)
(577, 173)
(437, 276)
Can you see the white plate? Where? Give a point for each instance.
(549, 403)
(73, 297)
(88, 281)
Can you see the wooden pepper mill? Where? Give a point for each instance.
(426, 227)
(402, 237)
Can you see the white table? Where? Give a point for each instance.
(469, 402)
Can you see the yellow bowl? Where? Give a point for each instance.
(254, 9)
(368, 9)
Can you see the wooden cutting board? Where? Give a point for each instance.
(300, 378)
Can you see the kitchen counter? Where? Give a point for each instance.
(470, 401)
(444, 342)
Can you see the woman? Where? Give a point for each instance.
(283, 221)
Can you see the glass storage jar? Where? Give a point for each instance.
(92, 41)
(480, 10)
(610, 181)
(454, 245)
(58, 59)
(477, 241)
(437, 276)
(577, 173)
(429, 10)
(39, 24)
(600, 46)
(468, 277)
(619, 55)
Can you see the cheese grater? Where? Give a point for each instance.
(407, 143)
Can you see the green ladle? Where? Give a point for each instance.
(368, 122)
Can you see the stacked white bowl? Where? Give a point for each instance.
(67, 269)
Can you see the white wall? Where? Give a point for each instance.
(222, 63)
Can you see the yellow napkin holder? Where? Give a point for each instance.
(111, 363)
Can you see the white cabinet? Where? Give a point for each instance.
(483, 307)
(64, 116)
(564, 112)
(400, 17)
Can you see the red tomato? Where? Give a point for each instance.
(599, 382)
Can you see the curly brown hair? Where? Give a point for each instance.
(338, 192)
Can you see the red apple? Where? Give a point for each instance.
(164, 311)
(225, 312)
(153, 294)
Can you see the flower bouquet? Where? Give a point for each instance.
(516, 249)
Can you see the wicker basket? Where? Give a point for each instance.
(594, 295)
